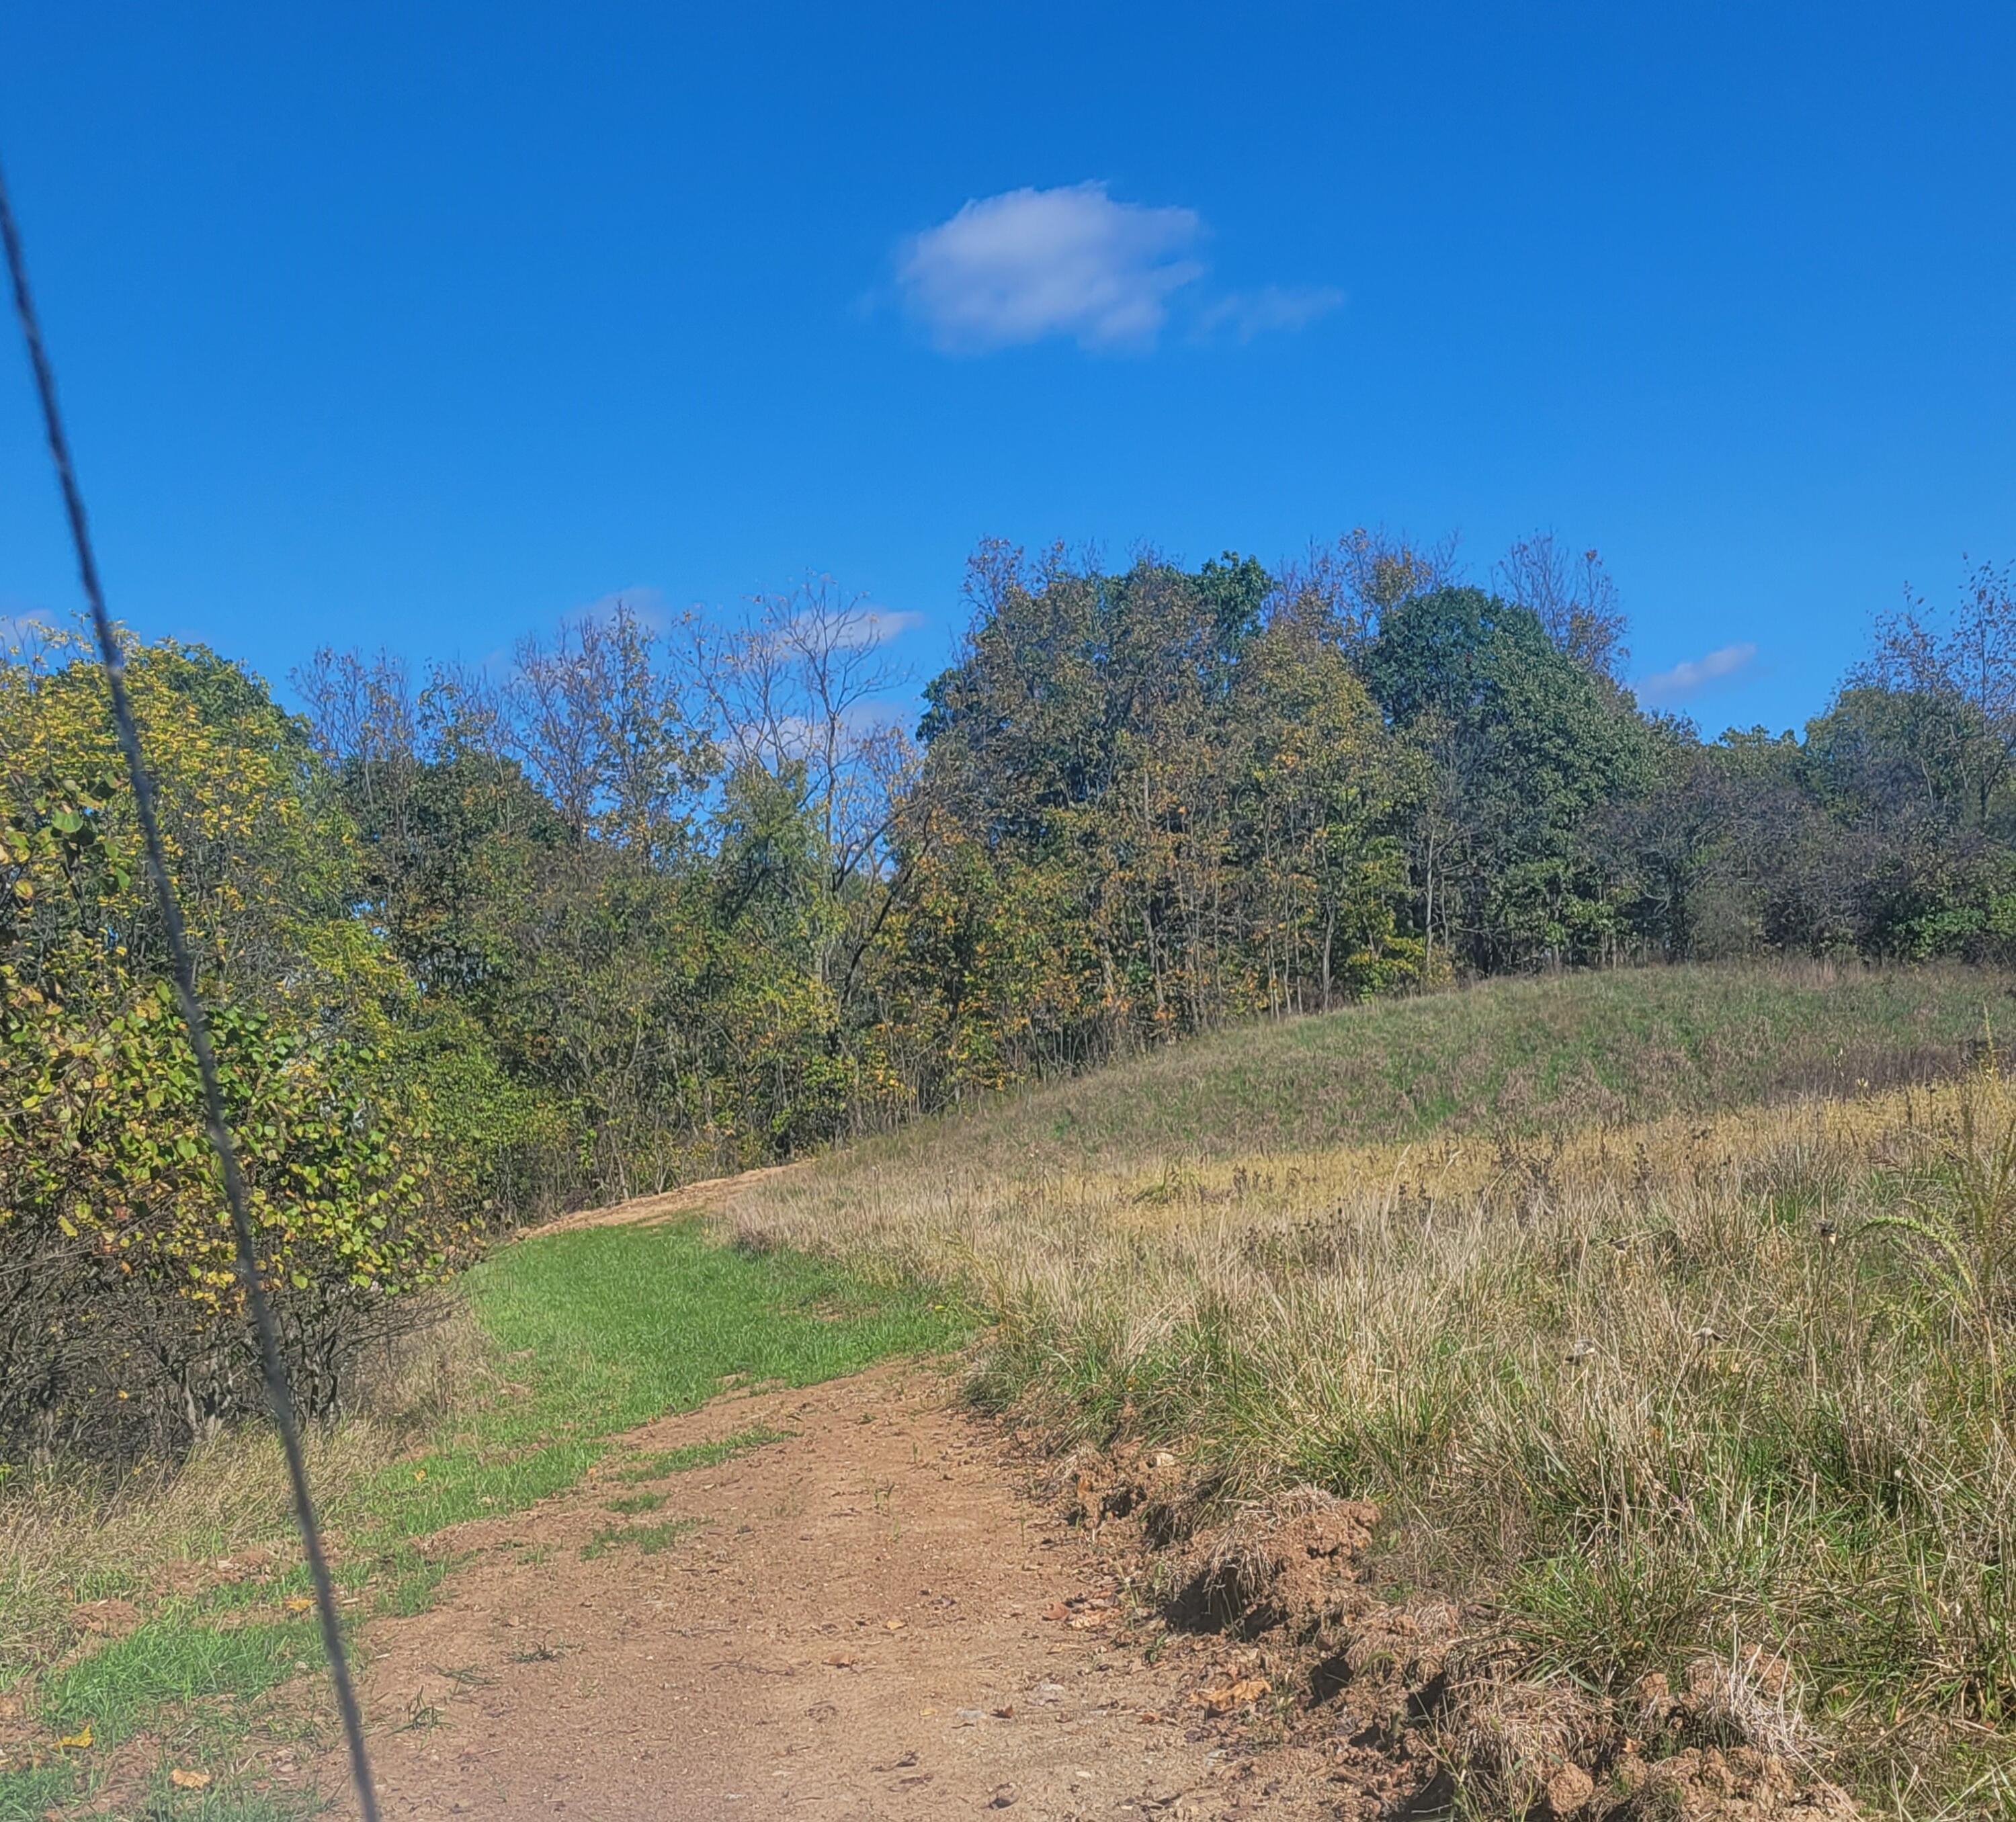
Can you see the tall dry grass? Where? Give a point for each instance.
(1637, 1392)
(70, 1535)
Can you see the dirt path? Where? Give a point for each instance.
(867, 1620)
(704, 1194)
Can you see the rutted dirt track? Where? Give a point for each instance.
(869, 1620)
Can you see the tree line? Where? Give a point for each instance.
(656, 900)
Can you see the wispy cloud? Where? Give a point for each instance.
(850, 626)
(800, 736)
(647, 603)
(1071, 261)
(878, 625)
(1693, 675)
(1247, 314)
(26, 630)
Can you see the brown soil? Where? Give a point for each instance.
(869, 1620)
(703, 1195)
(879, 1617)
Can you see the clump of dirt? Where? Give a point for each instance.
(190, 1576)
(21, 1742)
(1706, 1784)
(1411, 1702)
(1289, 1566)
(109, 1618)
(1524, 1746)
(1148, 1491)
(1752, 1699)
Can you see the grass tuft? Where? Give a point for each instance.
(646, 1539)
(689, 1456)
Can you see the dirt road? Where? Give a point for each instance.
(865, 1619)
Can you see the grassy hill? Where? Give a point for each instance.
(1529, 1055)
(1661, 1312)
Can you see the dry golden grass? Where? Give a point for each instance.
(65, 1541)
(69, 1538)
(1708, 1382)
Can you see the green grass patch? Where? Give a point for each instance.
(646, 1539)
(409, 1582)
(225, 1801)
(27, 1794)
(632, 1504)
(651, 1538)
(692, 1455)
(174, 1660)
(611, 1327)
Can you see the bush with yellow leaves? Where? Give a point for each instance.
(122, 1321)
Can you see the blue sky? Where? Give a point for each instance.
(426, 324)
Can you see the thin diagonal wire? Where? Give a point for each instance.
(184, 971)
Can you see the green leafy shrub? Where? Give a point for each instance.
(122, 1324)
(122, 1315)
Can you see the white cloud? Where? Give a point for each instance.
(878, 625)
(794, 736)
(28, 632)
(851, 626)
(1247, 314)
(1015, 267)
(1691, 674)
(646, 603)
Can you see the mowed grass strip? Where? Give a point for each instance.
(605, 1328)
(584, 1334)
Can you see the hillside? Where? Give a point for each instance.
(1529, 1055)
(1661, 1314)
